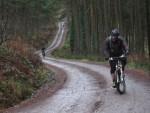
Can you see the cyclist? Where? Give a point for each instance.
(115, 46)
(43, 51)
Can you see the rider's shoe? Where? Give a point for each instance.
(114, 84)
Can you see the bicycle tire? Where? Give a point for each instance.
(121, 87)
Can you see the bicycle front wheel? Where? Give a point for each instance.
(121, 87)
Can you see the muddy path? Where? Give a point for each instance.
(87, 89)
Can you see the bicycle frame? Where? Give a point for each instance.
(119, 72)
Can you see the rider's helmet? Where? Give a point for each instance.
(115, 33)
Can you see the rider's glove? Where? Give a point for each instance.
(127, 52)
(122, 55)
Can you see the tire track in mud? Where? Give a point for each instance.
(80, 93)
(136, 100)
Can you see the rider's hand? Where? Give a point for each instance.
(123, 55)
(127, 53)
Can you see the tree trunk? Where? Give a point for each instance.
(147, 5)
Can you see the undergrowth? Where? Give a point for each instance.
(21, 73)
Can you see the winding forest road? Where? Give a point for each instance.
(88, 89)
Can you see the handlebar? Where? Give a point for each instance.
(116, 58)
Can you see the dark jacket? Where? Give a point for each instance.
(115, 49)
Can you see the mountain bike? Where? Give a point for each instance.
(43, 52)
(119, 74)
